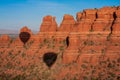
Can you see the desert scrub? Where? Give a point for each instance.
(25, 46)
(89, 43)
(46, 41)
(63, 42)
(85, 78)
(103, 51)
(11, 41)
(46, 75)
(108, 37)
(4, 76)
(10, 77)
(9, 65)
(19, 77)
(74, 78)
(94, 78)
(11, 55)
(92, 51)
(23, 55)
(61, 48)
(91, 30)
(51, 45)
(84, 66)
(53, 40)
(29, 43)
(41, 45)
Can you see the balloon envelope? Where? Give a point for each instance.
(24, 36)
(49, 58)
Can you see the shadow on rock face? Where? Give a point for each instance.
(49, 58)
(24, 36)
(67, 41)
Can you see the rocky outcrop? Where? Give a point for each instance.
(25, 29)
(71, 53)
(85, 47)
(94, 28)
(48, 24)
(4, 40)
(105, 19)
(85, 20)
(67, 24)
(18, 42)
(47, 28)
(116, 28)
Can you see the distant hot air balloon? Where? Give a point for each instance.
(49, 58)
(24, 36)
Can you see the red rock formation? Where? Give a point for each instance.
(116, 28)
(18, 42)
(25, 29)
(49, 24)
(71, 53)
(4, 40)
(88, 47)
(85, 20)
(104, 20)
(79, 16)
(67, 24)
(48, 27)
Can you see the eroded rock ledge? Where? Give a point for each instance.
(93, 38)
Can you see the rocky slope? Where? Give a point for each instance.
(87, 48)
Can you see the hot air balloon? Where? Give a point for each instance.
(49, 58)
(24, 36)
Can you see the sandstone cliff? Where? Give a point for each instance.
(86, 48)
(49, 24)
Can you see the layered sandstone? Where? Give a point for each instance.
(86, 20)
(116, 24)
(48, 24)
(67, 24)
(88, 44)
(105, 20)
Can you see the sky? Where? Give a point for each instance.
(14, 14)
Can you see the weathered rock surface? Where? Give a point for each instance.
(67, 24)
(116, 28)
(105, 20)
(86, 20)
(48, 24)
(85, 48)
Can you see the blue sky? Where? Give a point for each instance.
(14, 14)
